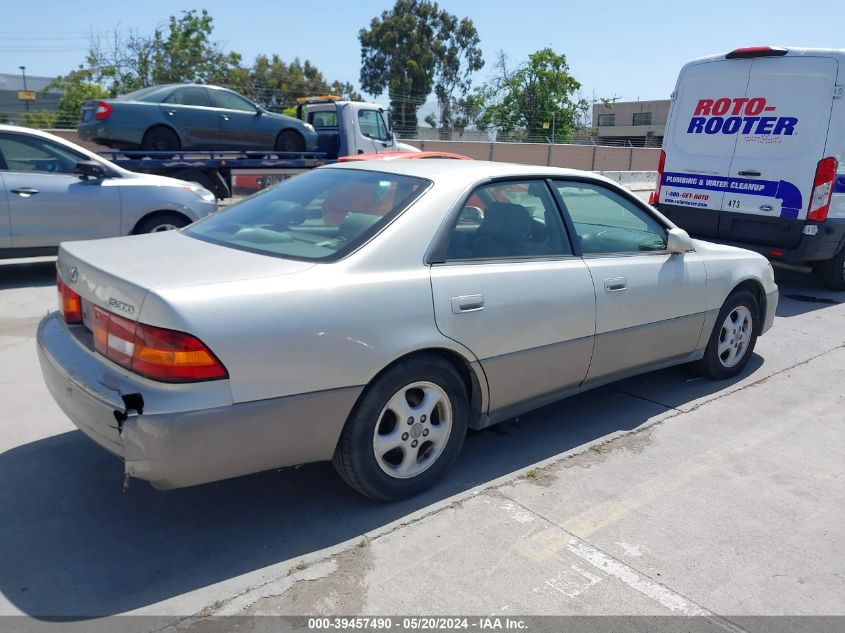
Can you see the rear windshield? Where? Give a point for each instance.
(319, 216)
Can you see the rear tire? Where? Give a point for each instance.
(833, 271)
(161, 222)
(290, 141)
(406, 431)
(733, 338)
(160, 139)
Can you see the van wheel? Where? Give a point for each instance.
(833, 271)
(733, 338)
(406, 430)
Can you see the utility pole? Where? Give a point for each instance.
(23, 72)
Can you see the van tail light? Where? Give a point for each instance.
(750, 52)
(103, 110)
(70, 303)
(654, 196)
(157, 353)
(822, 189)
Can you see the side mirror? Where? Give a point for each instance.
(90, 169)
(678, 241)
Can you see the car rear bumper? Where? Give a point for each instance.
(109, 135)
(173, 449)
(778, 239)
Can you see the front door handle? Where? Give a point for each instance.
(749, 172)
(25, 192)
(224, 117)
(467, 303)
(615, 284)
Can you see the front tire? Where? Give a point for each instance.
(161, 222)
(833, 271)
(406, 431)
(733, 338)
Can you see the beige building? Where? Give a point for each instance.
(631, 123)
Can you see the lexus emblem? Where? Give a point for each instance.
(73, 274)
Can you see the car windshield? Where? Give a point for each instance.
(319, 216)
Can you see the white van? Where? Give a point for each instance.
(753, 155)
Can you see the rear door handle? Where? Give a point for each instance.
(615, 284)
(224, 117)
(749, 172)
(467, 303)
(25, 192)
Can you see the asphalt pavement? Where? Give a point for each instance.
(662, 494)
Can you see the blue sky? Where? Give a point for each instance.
(631, 49)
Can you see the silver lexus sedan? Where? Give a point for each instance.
(371, 313)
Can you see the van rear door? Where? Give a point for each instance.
(780, 140)
(698, 159)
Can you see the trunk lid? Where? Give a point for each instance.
(117, 273)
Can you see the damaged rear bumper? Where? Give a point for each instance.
(183, 435)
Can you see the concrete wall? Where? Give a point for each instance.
(587, 157)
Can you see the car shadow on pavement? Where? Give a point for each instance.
(28, 274)
(73, 544)
(801, 293)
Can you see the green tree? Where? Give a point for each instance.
(276, 85)
(533, 102)
(77, 87)
(412, 49)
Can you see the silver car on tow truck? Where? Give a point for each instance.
(371, 313)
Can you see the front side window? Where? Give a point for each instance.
(508, 219)
(319, 216)
(323, 119)
(232, 101)
(606, 222)
(372, 124)
(193, 96)
(33, 154)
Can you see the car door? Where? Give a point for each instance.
(698, 154)
(774, 164)
(371, 132)
(508, 287)
(190, 110)
(48, 203)
(5, 226)
(649, 303)
(242, 124)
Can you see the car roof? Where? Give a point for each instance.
(468, 170)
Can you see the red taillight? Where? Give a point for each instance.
(822, 189)
(70, 303)
(103, 110)
(654, 196)
(776, 253)
(165, 355)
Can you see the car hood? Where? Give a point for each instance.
(118, 273)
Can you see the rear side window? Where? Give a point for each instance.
(319, 216)
(193, 96)
(508, 219)
(323, 119)
(606, 222)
